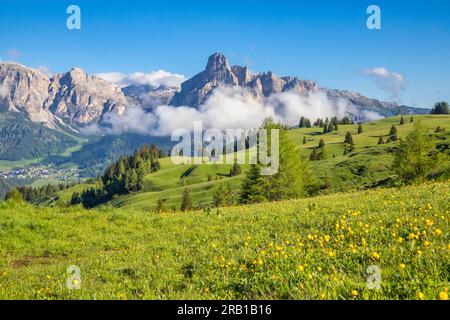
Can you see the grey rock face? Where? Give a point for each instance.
(218, 72)
(25, 90)
(73, 98)
(147, 96)
(82, 99)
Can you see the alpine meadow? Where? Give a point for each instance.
(225, 155)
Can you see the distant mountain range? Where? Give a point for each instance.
(66, 102)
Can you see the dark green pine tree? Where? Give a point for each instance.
(76, 199)
(360, 129)
(411, 119)
(253, 188)
(402, 120)
(160, 205)
(381, 140)
(321, 143)
(304, 140)
(348, 138)
(314, 155)
(302, 123)
(441, 108)
(325, 128)
(235, 170)
(393, 134)
(324, 153)
(186, 202)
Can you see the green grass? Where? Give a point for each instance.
(6, 165)
(317, 248)
(369, 165)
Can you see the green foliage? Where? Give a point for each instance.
(263, 251)
(348, 138)
(124, 176)
(393, 134)
(360, 129)
(402, 120)
(160, 205)
(254, 186)
(415, 158)
(314, 155)
(291, 179)
(32, 194)
(441, 108)
(14, 196)
(235, 170)
(321, 143)
(224, 197)
(186, 203)
(21, 138)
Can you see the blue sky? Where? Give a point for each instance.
(322, 40)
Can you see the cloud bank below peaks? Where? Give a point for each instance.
(227, 108)
(155, 79)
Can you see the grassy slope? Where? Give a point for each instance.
(299, 249)
(368, 165)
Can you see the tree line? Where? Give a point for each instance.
(31, 194)
(124, 176)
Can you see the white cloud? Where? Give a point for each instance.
(154, 79)
(14, 54)
(45, 70)
(227, 108)
(391, 82)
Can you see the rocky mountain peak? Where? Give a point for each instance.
(218, 72)
(217, 62)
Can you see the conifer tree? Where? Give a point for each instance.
(321, 143)
(414, 159)
(160, 205)
(360, 129)
(186, 203)
(235, 170)
(348, 138)
(314, 155)
(253, 186)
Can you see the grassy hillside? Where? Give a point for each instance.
(317, 248)
(22, 139)
(368, 166)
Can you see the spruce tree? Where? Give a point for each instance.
(413, 159)
(402, 120)
(393, 134)
(321, 143)
(360, 129)
(381, 140)
(324, 153)
(441, 108)
(302, 122)
(304, 140)
(235, 170)
(160, 205)
(348, 138)
(253, 188)
(314, 155)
